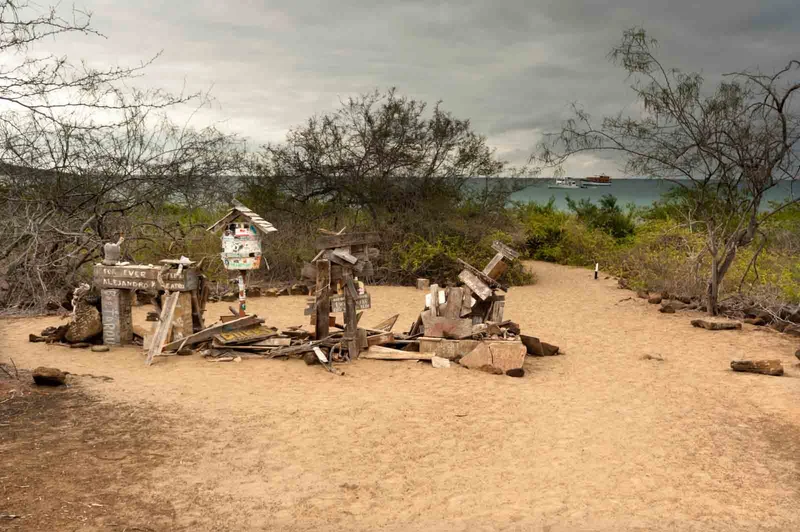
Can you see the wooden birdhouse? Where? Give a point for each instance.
(242, 231)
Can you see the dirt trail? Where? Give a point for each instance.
(598, 439)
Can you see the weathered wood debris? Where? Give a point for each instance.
(466, 323)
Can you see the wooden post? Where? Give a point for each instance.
(242, 295)
(350, 324)
(117, 317)
(183, 315)
(322, 299)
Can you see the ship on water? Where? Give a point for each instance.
(601, 180)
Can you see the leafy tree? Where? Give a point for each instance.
(726, 147)
(381, 154)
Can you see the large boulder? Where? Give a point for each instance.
(49, 376)
(654, 299)
(85, 324)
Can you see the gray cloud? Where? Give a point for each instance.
(511, 66)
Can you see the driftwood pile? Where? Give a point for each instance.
(466, 323)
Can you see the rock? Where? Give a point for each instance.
(760, 322)
(516, 372)
(229, 297)
(480, 356)
(716, 325)
(653, 357)
(792, 330)
(80, 345)
(654, 299)
(797, 354)
(501, 356)
(764, 367)
(642, 294)
(85, 324)
(686, 300)
(272, 292)
(310, 359)
(49, 376)
(34, 338)
(185, 351)
(537, 348)
(488, 368)
(507, 355)
(550, 350)
(667, 309)
(253, 291)
(439, 362)
(52, 306)
(101, 348)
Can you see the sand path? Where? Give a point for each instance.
(598, 439)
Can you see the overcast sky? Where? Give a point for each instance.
(511, 66)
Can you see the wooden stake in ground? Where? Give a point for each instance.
(322, 299)
(350, 323)
(164, 326)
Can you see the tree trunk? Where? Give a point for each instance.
(712, 292)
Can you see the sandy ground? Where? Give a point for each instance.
(598, 439)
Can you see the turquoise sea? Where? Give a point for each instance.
(641, 192)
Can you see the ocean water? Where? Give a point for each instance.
(640, 192)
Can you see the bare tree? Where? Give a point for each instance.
(380, 153)
(83, 157)
(726, 148)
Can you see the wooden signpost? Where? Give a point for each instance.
(342, 258)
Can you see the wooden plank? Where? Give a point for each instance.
(377, 352)
(435, 299)
(496, 267)
(140, 277)
(322, 299)
(345, 255)
(509, 253)
(350, 239)
(387, 324)
(363, 302)
(492, 283)
(210, 332)
(243, 336)
(466, 302)
(182, 323)
(116, 316)
(379, 339)
(164, 327)
(350, 323)
(497, 308)
(477, 286)
(440, 327)
(452, 308)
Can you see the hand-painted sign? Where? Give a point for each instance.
(137, 277)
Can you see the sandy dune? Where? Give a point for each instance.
(598, 439)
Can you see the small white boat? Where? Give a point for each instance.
(565, 182)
